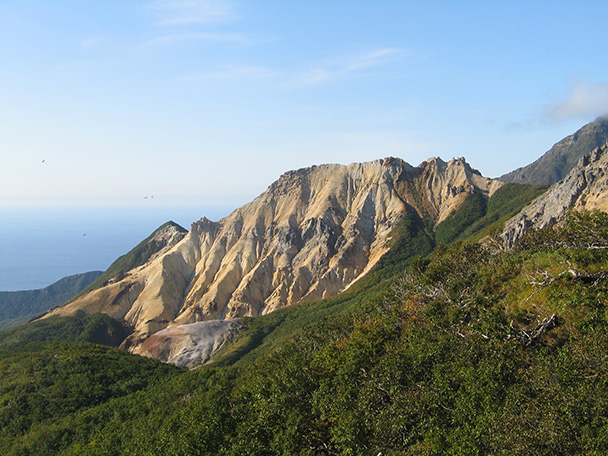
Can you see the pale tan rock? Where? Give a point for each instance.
(309, 236)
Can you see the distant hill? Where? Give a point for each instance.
(95, 328)
(554, 165)
(17, 307)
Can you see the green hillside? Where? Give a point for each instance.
(96, 328)
(462, 349)
(17, 307)
(476, 216)
(470, 350)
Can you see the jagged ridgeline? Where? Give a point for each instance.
(311, 235)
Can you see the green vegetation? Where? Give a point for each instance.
(476, 217)
(137, 256)
(17, 307)
(96, 328)
(463, 349)
(506, 202)
(39, 389)
(471, 209)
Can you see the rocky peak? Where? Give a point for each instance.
(445, 185)
(309, 236)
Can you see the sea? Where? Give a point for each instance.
(40, 245)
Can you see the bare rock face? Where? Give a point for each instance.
(310, 235)
(187, 345)
(446, 185)
(585, 187)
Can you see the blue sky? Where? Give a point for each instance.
(209, 101)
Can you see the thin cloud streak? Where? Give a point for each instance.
(90, 43)
(291, 79)
(235, 72)
(184, 12)
(210, 37)
(347, 67)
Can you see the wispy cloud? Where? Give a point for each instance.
(584, 100)
(92, 42)
(290, 78)
(234, 72)
(211, 37)
(350, 66)
(181, 12)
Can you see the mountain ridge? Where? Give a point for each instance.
(310, 235)
(558, 161)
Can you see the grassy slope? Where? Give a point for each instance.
(38, 388)
(96, 328)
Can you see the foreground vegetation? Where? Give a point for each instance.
(468, 350)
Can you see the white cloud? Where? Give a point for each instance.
(347, 67)
(585, 100)
(182, 12)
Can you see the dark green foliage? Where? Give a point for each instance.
(96, 328)
(18, 307)
(471, 209)
(39, 388)
(410, 239)
(507, 201)
(460, 354)
(132, 259)
(510, 198)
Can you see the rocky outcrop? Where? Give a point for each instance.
(585, 187)
(310, 235)
(444, 186)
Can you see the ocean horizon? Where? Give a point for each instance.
(41, 245)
